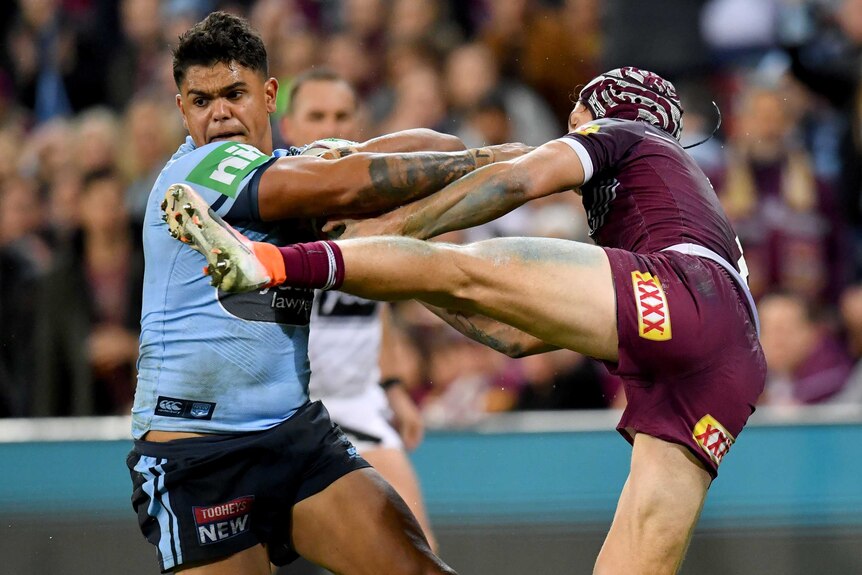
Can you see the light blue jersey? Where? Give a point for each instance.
(209, 361)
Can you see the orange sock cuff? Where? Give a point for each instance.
(270, 256)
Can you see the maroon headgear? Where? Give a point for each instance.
(634, 94)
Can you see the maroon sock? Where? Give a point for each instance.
(318, 265)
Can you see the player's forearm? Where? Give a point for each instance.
(492, 333)
(396, 179)
(305, 187)
(416, 140)
(472, 200)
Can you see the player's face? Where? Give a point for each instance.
(228, 102)
(321, 109)
(580, 115)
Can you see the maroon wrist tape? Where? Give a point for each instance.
(317, 265)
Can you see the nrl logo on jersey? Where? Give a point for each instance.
(225, 167)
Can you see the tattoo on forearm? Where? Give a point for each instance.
(484, 196)
(407, 177)
(483, 157)
(476, 333)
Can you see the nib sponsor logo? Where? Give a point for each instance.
(223, 521)
(713, 438)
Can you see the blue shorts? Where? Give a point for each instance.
(205, 498)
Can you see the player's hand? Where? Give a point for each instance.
(408, 419)
(503, 152)
(348, 228)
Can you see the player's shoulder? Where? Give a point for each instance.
(610, 126)
(219, 166)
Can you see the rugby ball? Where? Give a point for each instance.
(320, 147)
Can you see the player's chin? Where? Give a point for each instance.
(239, 138)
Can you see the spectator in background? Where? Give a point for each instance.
(24, 256)
(825, 49)
(550, 48)
(96, 143)
(134, 64)
(422, 22)
(47, 151)
(472, 74)
(11, 138)
(88, 312)
(294, 51)
(152, 130)
(851, 319)
(661, 35)
(12, 115)
(356, 50)
(806, 363)
(52, 65)
(466, 381)
(417, 101)
(784, 214)
(352, 59)
(62, 218)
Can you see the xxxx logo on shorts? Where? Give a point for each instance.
(712, 437)
(223, 521)
(653, 312)
(224, 168)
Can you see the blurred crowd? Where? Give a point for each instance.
(87, 120)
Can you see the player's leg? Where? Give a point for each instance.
(657, 511)
(359, 525)
(394, 465)
(557, 290)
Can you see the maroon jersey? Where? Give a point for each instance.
(644, 193)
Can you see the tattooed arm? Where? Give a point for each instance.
(482, 196)
(413, 140)
(492, 333)
(419, 139)
(306, 186)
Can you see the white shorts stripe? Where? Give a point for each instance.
(170, 546)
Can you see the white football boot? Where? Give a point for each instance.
(231, 262)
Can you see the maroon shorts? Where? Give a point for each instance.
(689, 356)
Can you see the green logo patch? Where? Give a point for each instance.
(226, 166)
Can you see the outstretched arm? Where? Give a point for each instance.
(482, 196)
(365, 183)
(492, 333)
(416, 140)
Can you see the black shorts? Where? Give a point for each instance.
(205, 498)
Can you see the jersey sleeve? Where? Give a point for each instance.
(602, 144)
(226, 175)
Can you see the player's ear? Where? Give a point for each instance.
(182, 111)
(270, 91)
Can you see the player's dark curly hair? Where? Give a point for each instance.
(219, 38)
